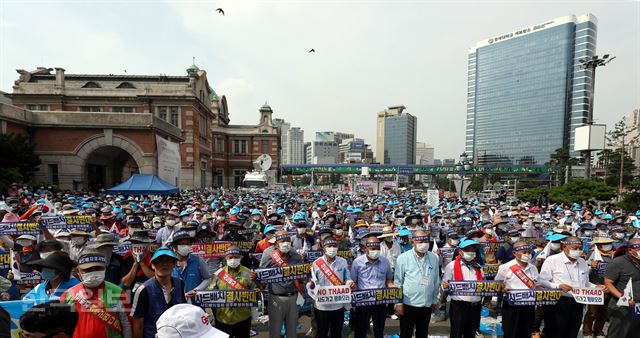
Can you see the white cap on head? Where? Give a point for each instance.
(186, 320)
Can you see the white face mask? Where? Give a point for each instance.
(284, 247)
(607, 247)
(422, 247)
(515, 239)
(170, 222)
(339, 232)
(301, 231)
(525, 258)
(331, 251)
(192, 233)
(184, 250)
(637, 255)
(233, 262)
(414, 221)
(555, 246)
(44, 255)
(575, 254)
(93, 279)
(373, 254)
(489, 231)
(469, 256)
(157, 225)
(455, 242)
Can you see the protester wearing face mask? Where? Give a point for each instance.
(136, 263)
(340, 235)
(191, 269)
(403, 240)
(596, 315)
(302, 242)
(518, 274)
(622, 322)
(389, 248)
(505, 251)
(157, 294)
(78, 242)
(269, 239)
(101, 306)
(329, 270)
(55, 270)
(23, 246)
(446, 254)
(618, 235)
(108, 219)
(417, 274)
(565, 271)
(104, 244)
(371, 271)
(235, 321)
(464, 315)
(283, 296)
(163, 235)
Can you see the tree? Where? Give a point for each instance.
(631, 200)
(619, 139)
(576, 191)
(18, 161)
(560, 162)
(610, 159)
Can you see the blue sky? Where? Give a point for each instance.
(370, 54)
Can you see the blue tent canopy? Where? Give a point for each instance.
(143, 184)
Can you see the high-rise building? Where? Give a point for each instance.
(424, 153)
(332, 136)
(322, 152)
(632, 120)
(396, 136)
(283, 127)
(527, 91)
(295, 146)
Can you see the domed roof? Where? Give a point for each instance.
(266, 107)
(192, 69)
(212, 94)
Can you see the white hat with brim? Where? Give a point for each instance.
(29, 237)
(186, 320)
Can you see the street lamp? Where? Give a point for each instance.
(462, 167)
(592, 63)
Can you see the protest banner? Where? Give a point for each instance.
(636, 311)
(447, 253)
(475, 288)
(340, 294)
(601, 267)
(530, 297)
(29, 278)
(67, 222)
(490, 249)
(282, 273)
(122, 248)
(593, 296)
(433, 197)
(216, 249)
(313, 255)
(346, 254)
(226, 298)
(5, 259)
(490, 270)
(376, 296)
(19, 228)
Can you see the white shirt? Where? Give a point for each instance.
(390, 253)
(467, 274)
(558, 269)
(511, 281)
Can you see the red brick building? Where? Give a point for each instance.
(94, 131)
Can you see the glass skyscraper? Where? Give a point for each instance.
(396, 136)
(527, 91)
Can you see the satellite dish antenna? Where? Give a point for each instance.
(263, 162)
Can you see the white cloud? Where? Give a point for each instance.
(234, 88)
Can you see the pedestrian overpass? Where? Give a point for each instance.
(391, 169)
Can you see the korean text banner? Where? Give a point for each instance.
(593, 296)
(533, 297)
(67, 222)
(282, 273)
(226, 298)
(19, 228)
(340, 294)
(216, 249)
(490, 270)
(475, 288)
(376, 296)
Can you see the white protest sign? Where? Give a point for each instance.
(592, 296)
(340, 294)
(433, 197)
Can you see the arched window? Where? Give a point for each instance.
(126, 85)
(91, 84)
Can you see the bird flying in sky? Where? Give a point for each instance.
(219, 10)
(312, 50)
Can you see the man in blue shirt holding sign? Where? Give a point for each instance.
(370, 271)
(418, 274)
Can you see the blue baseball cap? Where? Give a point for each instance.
(163, 251)
(467, 242)
(268, 228)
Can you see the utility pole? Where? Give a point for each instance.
(621, 168)
(592, 63)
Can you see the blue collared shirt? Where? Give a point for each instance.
(408, 276)
(371, 275)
